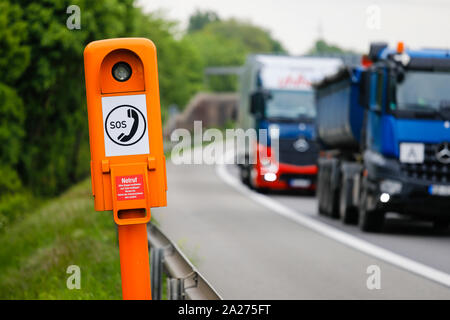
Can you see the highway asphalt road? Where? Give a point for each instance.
(251, 246)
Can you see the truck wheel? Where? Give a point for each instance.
(369, 220)
(441, 225)
(333, 190)
(263, 190)
(252, 183)
(347, 213)
(333, 203)
(244, 174)
(320, 193)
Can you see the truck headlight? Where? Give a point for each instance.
(384, 198)
(270, 177)
(390, 186)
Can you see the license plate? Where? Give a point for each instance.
(412, 152)
(439, 190)
(300, 183)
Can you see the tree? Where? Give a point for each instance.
(253, 38)
(217, 51)
(227, 43)
(14, 59)
(322, 47)
(199, 19)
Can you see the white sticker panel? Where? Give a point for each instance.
(125, 125)
(278, 72)
(412, 152)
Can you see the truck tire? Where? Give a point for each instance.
(333, 204)
(263, 190)
(441, 225)
(347, 212)
(319, 192)
(244, 174)
(328, 198)
(369, 220)
(333, 189)
(252, 185)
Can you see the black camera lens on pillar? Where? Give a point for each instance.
(121, 71)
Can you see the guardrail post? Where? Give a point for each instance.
(175, 288)
(157, 255)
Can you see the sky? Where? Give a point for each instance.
(351, 24)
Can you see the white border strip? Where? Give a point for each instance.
(333, 233)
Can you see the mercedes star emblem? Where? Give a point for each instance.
(443, 153)
(301, 145)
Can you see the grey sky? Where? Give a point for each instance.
(419, 23)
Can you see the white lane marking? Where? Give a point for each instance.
(333, 233)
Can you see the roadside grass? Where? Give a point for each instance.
(37, 249)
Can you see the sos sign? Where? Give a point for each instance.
(125, 127)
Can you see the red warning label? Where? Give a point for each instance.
(130, 187)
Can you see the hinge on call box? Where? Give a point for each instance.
(151, 162)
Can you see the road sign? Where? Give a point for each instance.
(127, 160)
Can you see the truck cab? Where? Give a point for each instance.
(277, 99)
(407, 154)
(384, 128)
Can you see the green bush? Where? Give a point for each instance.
(14, 206)
(14, 200)
(12, 116)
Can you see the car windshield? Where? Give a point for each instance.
(423, 91)
(290, 105)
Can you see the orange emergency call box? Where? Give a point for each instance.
(127, 160)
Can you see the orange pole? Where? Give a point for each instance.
(134, 260)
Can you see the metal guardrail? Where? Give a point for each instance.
(184, 282)
(237, 70)
(349, 59)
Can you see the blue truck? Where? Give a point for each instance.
(384, 130)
